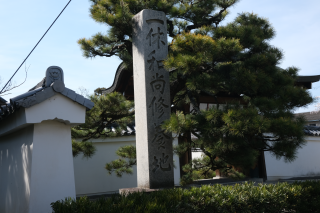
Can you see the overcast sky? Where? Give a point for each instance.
(22, 23)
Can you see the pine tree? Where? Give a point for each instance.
(208, 58)
(108, 118)
(236, 59)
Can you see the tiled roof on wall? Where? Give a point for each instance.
(2, 101)
(310, 116)
(51, 85)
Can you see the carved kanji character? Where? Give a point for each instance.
(155, 164)
(158, 38)
(161, 163)
(153, 62)
(158, 84)
(160, 137)
(158, 106)
(149, 36)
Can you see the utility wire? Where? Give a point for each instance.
(34, 47)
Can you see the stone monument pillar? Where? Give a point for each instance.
(152, 100)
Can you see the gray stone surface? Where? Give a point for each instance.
(127, 191)
(152, 100)
(36, 98)
(89, 104)
(53, 73)
(80, 99)
(58, 86)
(65, 92)
(71, 94)
(24, 95)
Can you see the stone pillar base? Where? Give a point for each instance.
(126, 191)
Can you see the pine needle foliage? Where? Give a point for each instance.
(84, 147)
(124, 164)
(236, 59)
(217, 59)
(117, 14)
(108, 118)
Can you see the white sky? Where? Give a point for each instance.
(22, 23)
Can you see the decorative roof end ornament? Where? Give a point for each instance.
(55, 78)
(53, 74)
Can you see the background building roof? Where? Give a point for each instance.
(310, 116)
(123, 82)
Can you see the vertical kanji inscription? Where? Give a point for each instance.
(152, 100)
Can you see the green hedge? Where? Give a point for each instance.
(281, 197)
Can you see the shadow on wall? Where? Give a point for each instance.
(15, 170)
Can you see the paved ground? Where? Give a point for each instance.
(226, 181)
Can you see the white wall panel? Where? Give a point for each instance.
(52, 166)
(15, 170)
(306, 164)
(91, 177)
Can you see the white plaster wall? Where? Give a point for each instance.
(306, 164)
(57, 107)
(36, 163)
(91, 177)
(52, 166)
(195, 155)
(15, 170)
(176, 162)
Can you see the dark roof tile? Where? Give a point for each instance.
(2, 101)
(40, 93)
(310, 116)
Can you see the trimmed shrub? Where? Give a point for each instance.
(281, 197)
